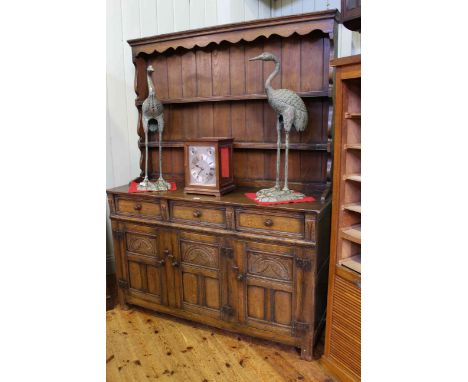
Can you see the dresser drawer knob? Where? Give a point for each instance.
(137, 207)
(268, 222)
(197, 213)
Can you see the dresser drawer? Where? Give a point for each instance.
(196, 214)
(138, 208)
(277, 223)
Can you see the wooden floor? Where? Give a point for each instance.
(147, 346)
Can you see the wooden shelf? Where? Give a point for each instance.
(355, 207)
(352, 233)
(250, 145)
(241, 97)
(353, 177)
(353, 263)
(352, 146)
(352, 115)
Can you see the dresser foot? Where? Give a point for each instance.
(124, 306)
(307, 352)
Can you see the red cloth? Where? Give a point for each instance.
(253, 195)
(133, 187)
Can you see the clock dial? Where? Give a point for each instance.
(202, 165)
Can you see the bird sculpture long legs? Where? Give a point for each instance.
(161, 184)
(153, 120)
(290, 111)
(275, 193)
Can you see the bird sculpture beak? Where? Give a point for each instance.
(255, 58)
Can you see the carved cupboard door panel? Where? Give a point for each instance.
(267, 276)
(200, 280)
(143, 263)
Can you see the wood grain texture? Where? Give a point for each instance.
(343, 331)
(245, 275)
(143, 346)
(216, 91)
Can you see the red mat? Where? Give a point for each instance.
(133, 187)
(253, 195)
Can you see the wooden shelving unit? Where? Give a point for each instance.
(343, 341)
(209, 88)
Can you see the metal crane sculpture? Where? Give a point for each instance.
(153, 120)
(290, 111)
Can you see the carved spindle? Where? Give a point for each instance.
(310, 227)
(230, 218)
(164, 209)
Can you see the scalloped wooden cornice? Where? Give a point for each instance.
(283, 26)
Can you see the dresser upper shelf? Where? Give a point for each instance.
(284, 26)
(241, 97)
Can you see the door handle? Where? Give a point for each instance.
(172, 259)
(161, 262)
(239, 276)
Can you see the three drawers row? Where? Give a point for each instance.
(245, 219)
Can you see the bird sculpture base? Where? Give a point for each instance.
(272, 195)
(159, 185)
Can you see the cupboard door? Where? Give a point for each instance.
(143, 263)
(267, 276)
(200, 279)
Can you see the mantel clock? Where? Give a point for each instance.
(208, 166)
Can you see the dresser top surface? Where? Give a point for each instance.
(235, 197)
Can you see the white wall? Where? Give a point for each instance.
(128, 19)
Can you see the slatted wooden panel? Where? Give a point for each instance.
(345, 341)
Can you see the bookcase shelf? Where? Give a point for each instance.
(344, 283)
(355, 207)
(353, 263)
(352, 115)
(353, 177)
(352, 233)
(352, 146)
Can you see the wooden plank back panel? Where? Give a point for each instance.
(221, 70)
(224, 70)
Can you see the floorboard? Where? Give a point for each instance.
(148, 346)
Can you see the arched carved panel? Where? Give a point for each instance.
(141, 244)
(199, 254)
(271, 266)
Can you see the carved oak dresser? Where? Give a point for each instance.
(226, 261)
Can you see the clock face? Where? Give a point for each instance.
(202, 165)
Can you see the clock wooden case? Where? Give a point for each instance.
(208, 166)
(226, 261)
